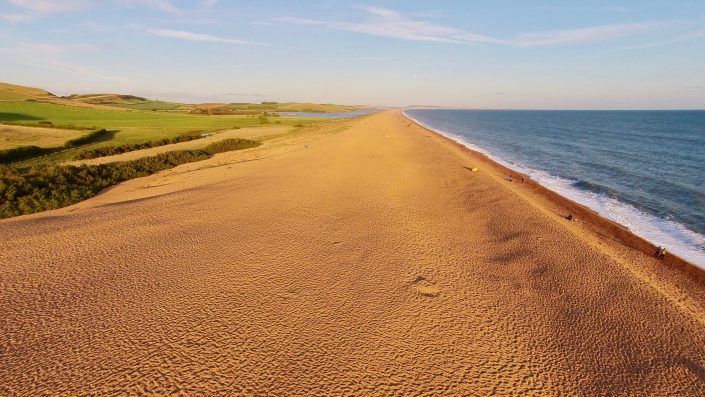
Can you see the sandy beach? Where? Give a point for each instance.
(363, 257)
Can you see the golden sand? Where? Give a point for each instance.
(369, 261)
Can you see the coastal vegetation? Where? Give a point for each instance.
(91, 137)
(129, 147)
(8, 156)
(135, 126)
(12, 155)
(54, 186)
(133, 123)
(271, 107)
(40, 131)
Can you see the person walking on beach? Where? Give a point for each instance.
(660, 253)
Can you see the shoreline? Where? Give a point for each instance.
(587, 216)
(362, 256)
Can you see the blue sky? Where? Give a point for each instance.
(500, 54)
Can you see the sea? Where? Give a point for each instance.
(642, 169)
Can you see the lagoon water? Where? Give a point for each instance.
(642, 169)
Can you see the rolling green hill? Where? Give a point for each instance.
(134, 120)
(11, 92)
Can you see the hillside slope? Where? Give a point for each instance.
(12, 92)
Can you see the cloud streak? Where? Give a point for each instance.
(56, 57)
(49, 6)
(700, 34)
(581, 36)
(15, 17)
(197, 37)
(159, 5)
(46, 7)
(388, 23)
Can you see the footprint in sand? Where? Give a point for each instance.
(425, 287)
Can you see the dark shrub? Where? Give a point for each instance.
(49, 187)
(8, 156)
(91, 137)
(230, 144)
(113, 150)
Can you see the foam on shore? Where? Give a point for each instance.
(677, 238)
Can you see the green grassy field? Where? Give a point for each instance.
(12, 136)
(134, 126)
(273, 107)
(126, 127)
(128, 119)
(149, 105)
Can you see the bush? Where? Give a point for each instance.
(13, 155)
(113, 150)
(8, 156)
(91, 137)
(45, 124)
(229, 145)
(49, 187)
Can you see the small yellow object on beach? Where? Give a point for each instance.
(474, 169)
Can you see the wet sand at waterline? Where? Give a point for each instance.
(365, 259)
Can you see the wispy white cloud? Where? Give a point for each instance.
(696, 35)
(49, 6)
(384, 22)
(580, 36)
(167, 6)
(299, 21)
(389, 23)
(56, 57)
(15, 17)
(159, 5)
(41, 50)
(28, 10)
(45, 49)
(200, 37)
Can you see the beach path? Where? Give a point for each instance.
(364, 260)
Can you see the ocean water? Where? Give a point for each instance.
(642, 169)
